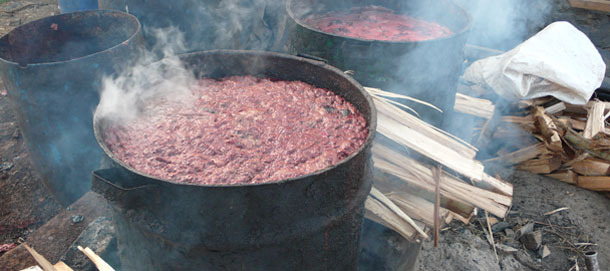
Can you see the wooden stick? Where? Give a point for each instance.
(44, 263)
(383, 199)
(437, 202)
(97, 260)
(491, 236)
(556, 108)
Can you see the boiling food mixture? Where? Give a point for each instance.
(377, 23)
(240, 130)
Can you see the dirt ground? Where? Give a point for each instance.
(25, 204)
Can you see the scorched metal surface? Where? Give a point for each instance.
(311, 222)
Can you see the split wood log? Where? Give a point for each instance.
(522, 155)
(405, 121)
(41, 260)
(556, 108)
(595, 120)
(97, 260)
(415, 173)
(524, 122)
(592, 167)
(461, 210)
(595, 183)
(548, 129)
(409, 131)
(417, 207)
(477, 107)
(61, 266)
(541, 166)
(596, 148)
(598, 5)
(376, 211)
(566, 176)
(388, 203)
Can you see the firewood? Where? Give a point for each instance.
(417, 207)
(595, 183)
(524, 122)
(388, 203)
(596, 148)
(548, 129)
(556, 108)
(396, 185)
(41, 260)
(415, 173)
(97, 260)
(477, 107)
(32, 268)
(592, 167)
(595, 120)
(61, 266)
(393, 121)
(522, 155)
(381, 214)
(566, 176)
(541, 166)
(575, 124)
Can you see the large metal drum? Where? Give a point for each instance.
(52, 69)
(312, 222)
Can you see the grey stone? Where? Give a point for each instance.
(510, 233)
(500, 226)
(532, 240)
(77, 219)
(529, 227)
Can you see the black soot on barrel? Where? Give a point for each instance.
(311, 222)
(425, 67)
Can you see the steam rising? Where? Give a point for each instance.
(124, 96)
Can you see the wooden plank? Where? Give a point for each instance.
(592, 167)
(566, 176)
(595, 183)
(597, 5)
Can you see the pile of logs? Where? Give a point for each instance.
(425, 177)
(545, 136)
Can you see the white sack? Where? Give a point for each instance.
(559, 61)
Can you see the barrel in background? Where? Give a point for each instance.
(52, 70)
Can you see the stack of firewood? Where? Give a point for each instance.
(545, 136)
(426, 177)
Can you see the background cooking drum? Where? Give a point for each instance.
(211, 24)
(427, 69)
(312, 222)
(52, 70)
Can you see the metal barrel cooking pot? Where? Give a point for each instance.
(427, 70)
(211, 24)
(52, 69)
(312, 222)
